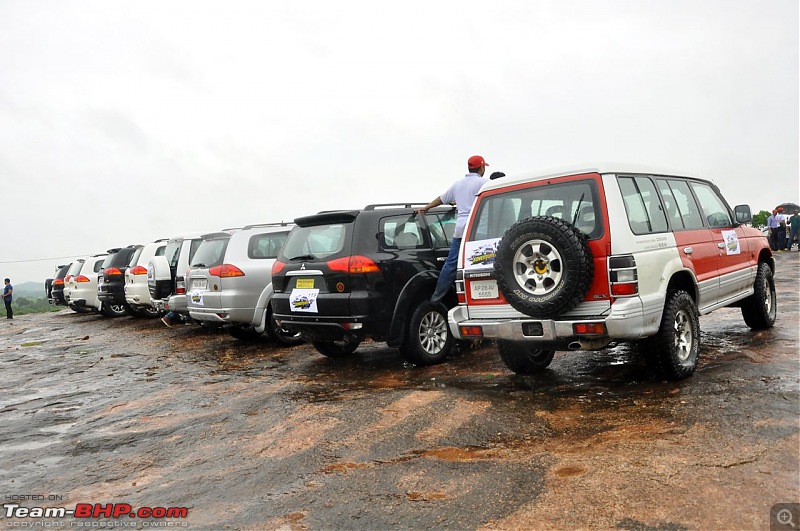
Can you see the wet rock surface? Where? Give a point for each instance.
(254, 436)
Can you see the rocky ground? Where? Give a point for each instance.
(254, 436)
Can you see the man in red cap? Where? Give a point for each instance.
(463, 193)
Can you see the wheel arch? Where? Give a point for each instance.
(420, 286)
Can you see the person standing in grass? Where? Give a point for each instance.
(8, 296)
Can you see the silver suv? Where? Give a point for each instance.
(230, 281)
(165, 274)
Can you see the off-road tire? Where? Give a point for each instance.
(544, 266)
(281, 336)
(761, 308)
(336, 349)
(428, 338)
(523, 358)
(674, 350)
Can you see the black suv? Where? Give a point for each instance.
(55, 286)
(345, 275)
(111, 281)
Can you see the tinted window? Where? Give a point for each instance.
(135, 257)
(402, 232)
(98, 266)
(210, 253)
(193, 247)
(266, 245)
(441, 226)
(713, 207)
(75, 268)
(315, 242)
(680, 204)
(172, 251)
(642, 204)
(574, 201)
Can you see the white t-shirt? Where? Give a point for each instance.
(463, 192)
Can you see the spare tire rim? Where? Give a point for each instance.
(538, 267)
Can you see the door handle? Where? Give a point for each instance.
(688, 250)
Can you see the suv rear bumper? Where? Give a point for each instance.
(556, 334)
(328, 330)
(222, 315)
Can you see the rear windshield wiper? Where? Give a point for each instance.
(199, 265)
(304, 257)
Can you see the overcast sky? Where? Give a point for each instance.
(124, 122)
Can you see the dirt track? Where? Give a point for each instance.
(99, 410)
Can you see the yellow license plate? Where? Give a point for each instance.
(305, 283)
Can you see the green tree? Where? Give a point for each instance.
(760, 219)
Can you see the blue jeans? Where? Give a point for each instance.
(447, 276)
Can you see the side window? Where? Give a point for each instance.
(642, 204)
(442, 226)
(160, 251)
(683, 210)
(192, 249)
(712, 205)
(401, 232)
(265, 245)
(98, 266)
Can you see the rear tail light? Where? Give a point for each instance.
(354, 264)
(277, 267)
(138, 270)
(111, 271)
(67, 278)
(58, 282)
(226, 271)
(180, 287)
(589, 329)
(81, 278)
(471, 331)
(623, 276)
(461, 294)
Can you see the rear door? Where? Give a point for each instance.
(696, 244)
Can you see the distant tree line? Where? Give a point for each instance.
(23, 305)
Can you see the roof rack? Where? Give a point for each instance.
(395, 205)
(281, 224)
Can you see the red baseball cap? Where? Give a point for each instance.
(476, 161)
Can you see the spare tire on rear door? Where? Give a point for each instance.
(544, 266)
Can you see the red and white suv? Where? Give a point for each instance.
(579, 260)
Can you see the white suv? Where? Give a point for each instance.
(166, 273)
(230, 281)
(579, 260)
(83, 284)
(137, 290)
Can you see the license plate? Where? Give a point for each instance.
(305, 283)
(483, 289)
(199, 283)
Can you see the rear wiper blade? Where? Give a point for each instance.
(304, 257)
(199, 265)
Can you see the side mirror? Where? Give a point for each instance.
(742, 213)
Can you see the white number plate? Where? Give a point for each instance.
(483, 289)
(199, 283)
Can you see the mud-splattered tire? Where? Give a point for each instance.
(336, 349)
(761, 308)
(428, 339)
(523, 358)
(673, 352)
(280, 335)
(544, 266)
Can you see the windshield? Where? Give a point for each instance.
(210, 253)
(315, 243)
(574, 202)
